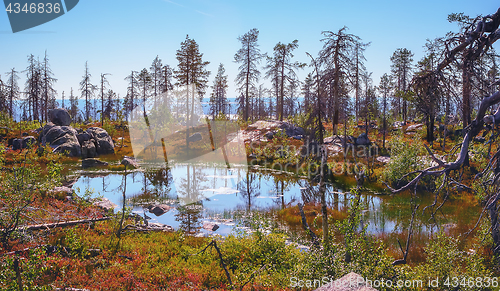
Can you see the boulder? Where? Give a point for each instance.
(63, 189)
(84, 136)
(271, 127)
(105, 204)
(23, 143)
(69, 182)
(160, 226)
(59, 117)
(414, 127)
(195, 137)
(211, 226)
(130, 163)
(17, 144)
(88, 149)
(43, 133)
(339, 139)
(28, 141)
(68, 145)
(87, 144)
(159, 209)
(270, 134)
(61, 138)
(398, 124)
(91, 163)
(383, 159)
(350, 282)
(104, 143)
(292, 130)
(363, 140)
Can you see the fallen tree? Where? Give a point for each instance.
(59, 224)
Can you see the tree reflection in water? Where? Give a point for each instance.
(249, 189)
(191, 198)
(161, 179)
(189, 217)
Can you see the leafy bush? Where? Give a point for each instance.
(452, 266)
(109, 127)
(19, 185)
(356, 251)
(404, 159)
(267, 257)
(479, 154)
(32, 269)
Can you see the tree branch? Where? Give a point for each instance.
(314, 237)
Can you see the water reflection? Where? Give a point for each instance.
(220, 191)
(249, 190)
(189, 217)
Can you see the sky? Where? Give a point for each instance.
(116, 37)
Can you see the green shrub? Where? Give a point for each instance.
(452, 267)
(267, 257)
(32, 267)
(404, 159)
(355, 251)
(19, 186)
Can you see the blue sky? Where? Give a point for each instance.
(119, 36)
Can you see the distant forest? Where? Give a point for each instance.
(338, 89)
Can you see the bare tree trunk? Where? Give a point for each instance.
(322, 191)
(466, 91)
(495, 234)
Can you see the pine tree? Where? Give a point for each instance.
(166, 85)
(385, 87)
(191, 71)
(104, 82)
(73, 103)
(12, 91)
(156, 73)
(281, 69)
(62, 96)
(48, 91)
(336, 57)
(401, 69)
(132, 93)
(3, 96)
(218, 98)
(109, 104)
(249, 57)
(87, 89)
(308, 93)
(144, 81)
(357, 71)
(33, 88)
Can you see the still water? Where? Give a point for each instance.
(222, 192)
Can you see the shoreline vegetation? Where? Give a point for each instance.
(92, 254)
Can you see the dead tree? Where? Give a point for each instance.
(475, 43)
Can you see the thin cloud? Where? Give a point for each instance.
(180, 5)
(175, 3)
(201, 12)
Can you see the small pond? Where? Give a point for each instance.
(222, 192)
